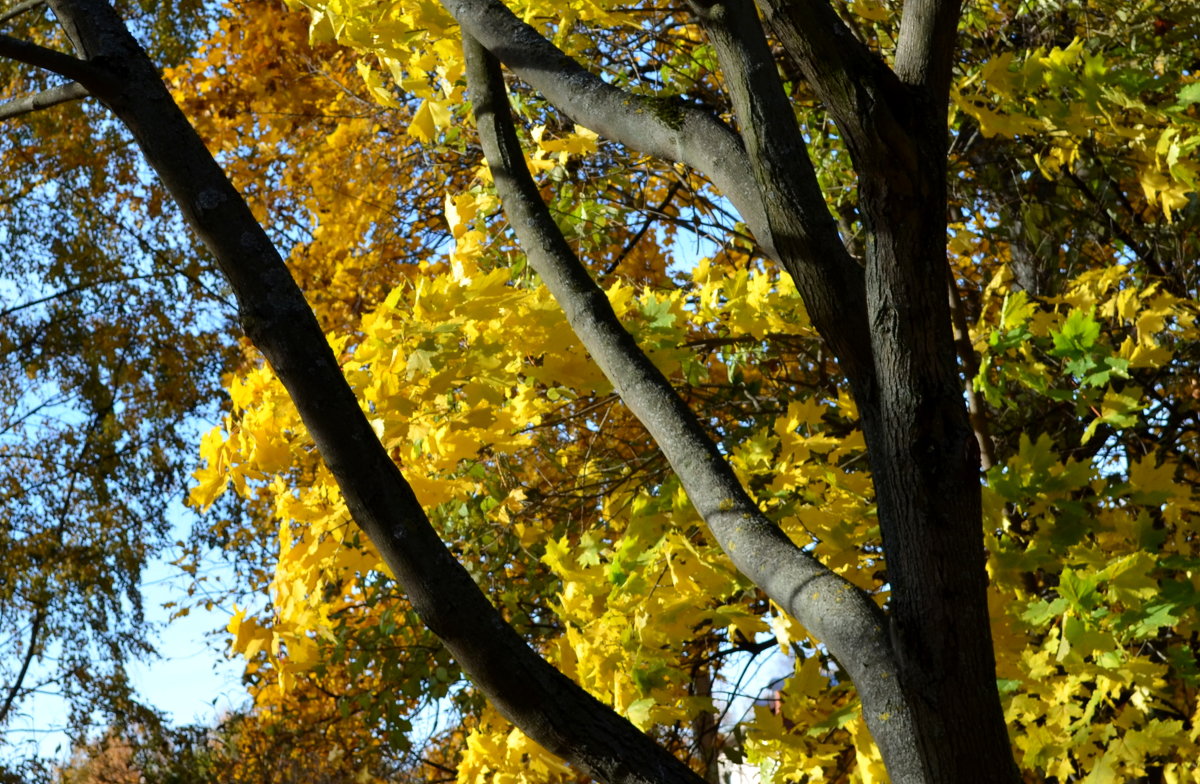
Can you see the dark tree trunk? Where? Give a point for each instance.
(925, 460)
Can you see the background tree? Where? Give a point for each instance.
(109, 353)
(1087, 524)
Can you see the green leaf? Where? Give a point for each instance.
(1113, 366)
(1078, 590)
(658, 313)
(647, 677)
(1041, 612)
(835, 720)
(638, 712)
(1187, 95)
(1151, 618)
(1078, 334)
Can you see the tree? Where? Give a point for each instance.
(135, 754)
(874, 284)
(240, 748)
(104, 363)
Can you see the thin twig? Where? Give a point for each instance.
(970, 366)
(1147, 255)
(19, 9)
(15, 689)
(641, 232)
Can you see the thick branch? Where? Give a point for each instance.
(664, 127)
(814, 32)
(862, 94)
(841, 615)
(52, 96)
(539, 699)
(834, 62)
(805, 232)
(40, 56)
(925, 47)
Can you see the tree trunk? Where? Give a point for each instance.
(925, 461)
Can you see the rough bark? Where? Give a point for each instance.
(804, 233)
(899, 357)
(922, 448)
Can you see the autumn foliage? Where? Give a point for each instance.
(1073, 234)
(473, 382)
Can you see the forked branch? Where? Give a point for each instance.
(804, 231)
(664, 127)
(838, 613)
(525, 688)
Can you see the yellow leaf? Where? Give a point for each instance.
(872, 10)
(787, 630)
(212, 479)
(439, 111)
(422, 126)
(249, 636)
(375, 84)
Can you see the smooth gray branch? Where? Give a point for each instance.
(838, 613)
(51, 96)
(667, 127)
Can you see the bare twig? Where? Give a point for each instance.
(970, 367)
(641, 232)
(19, 9)
(15, 689)
(1147, 255)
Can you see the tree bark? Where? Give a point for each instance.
(890, 328)
(71, 91)
(923, 452)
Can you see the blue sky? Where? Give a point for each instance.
(192, 682)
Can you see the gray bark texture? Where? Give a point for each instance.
(71, 91)
(925, 670)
